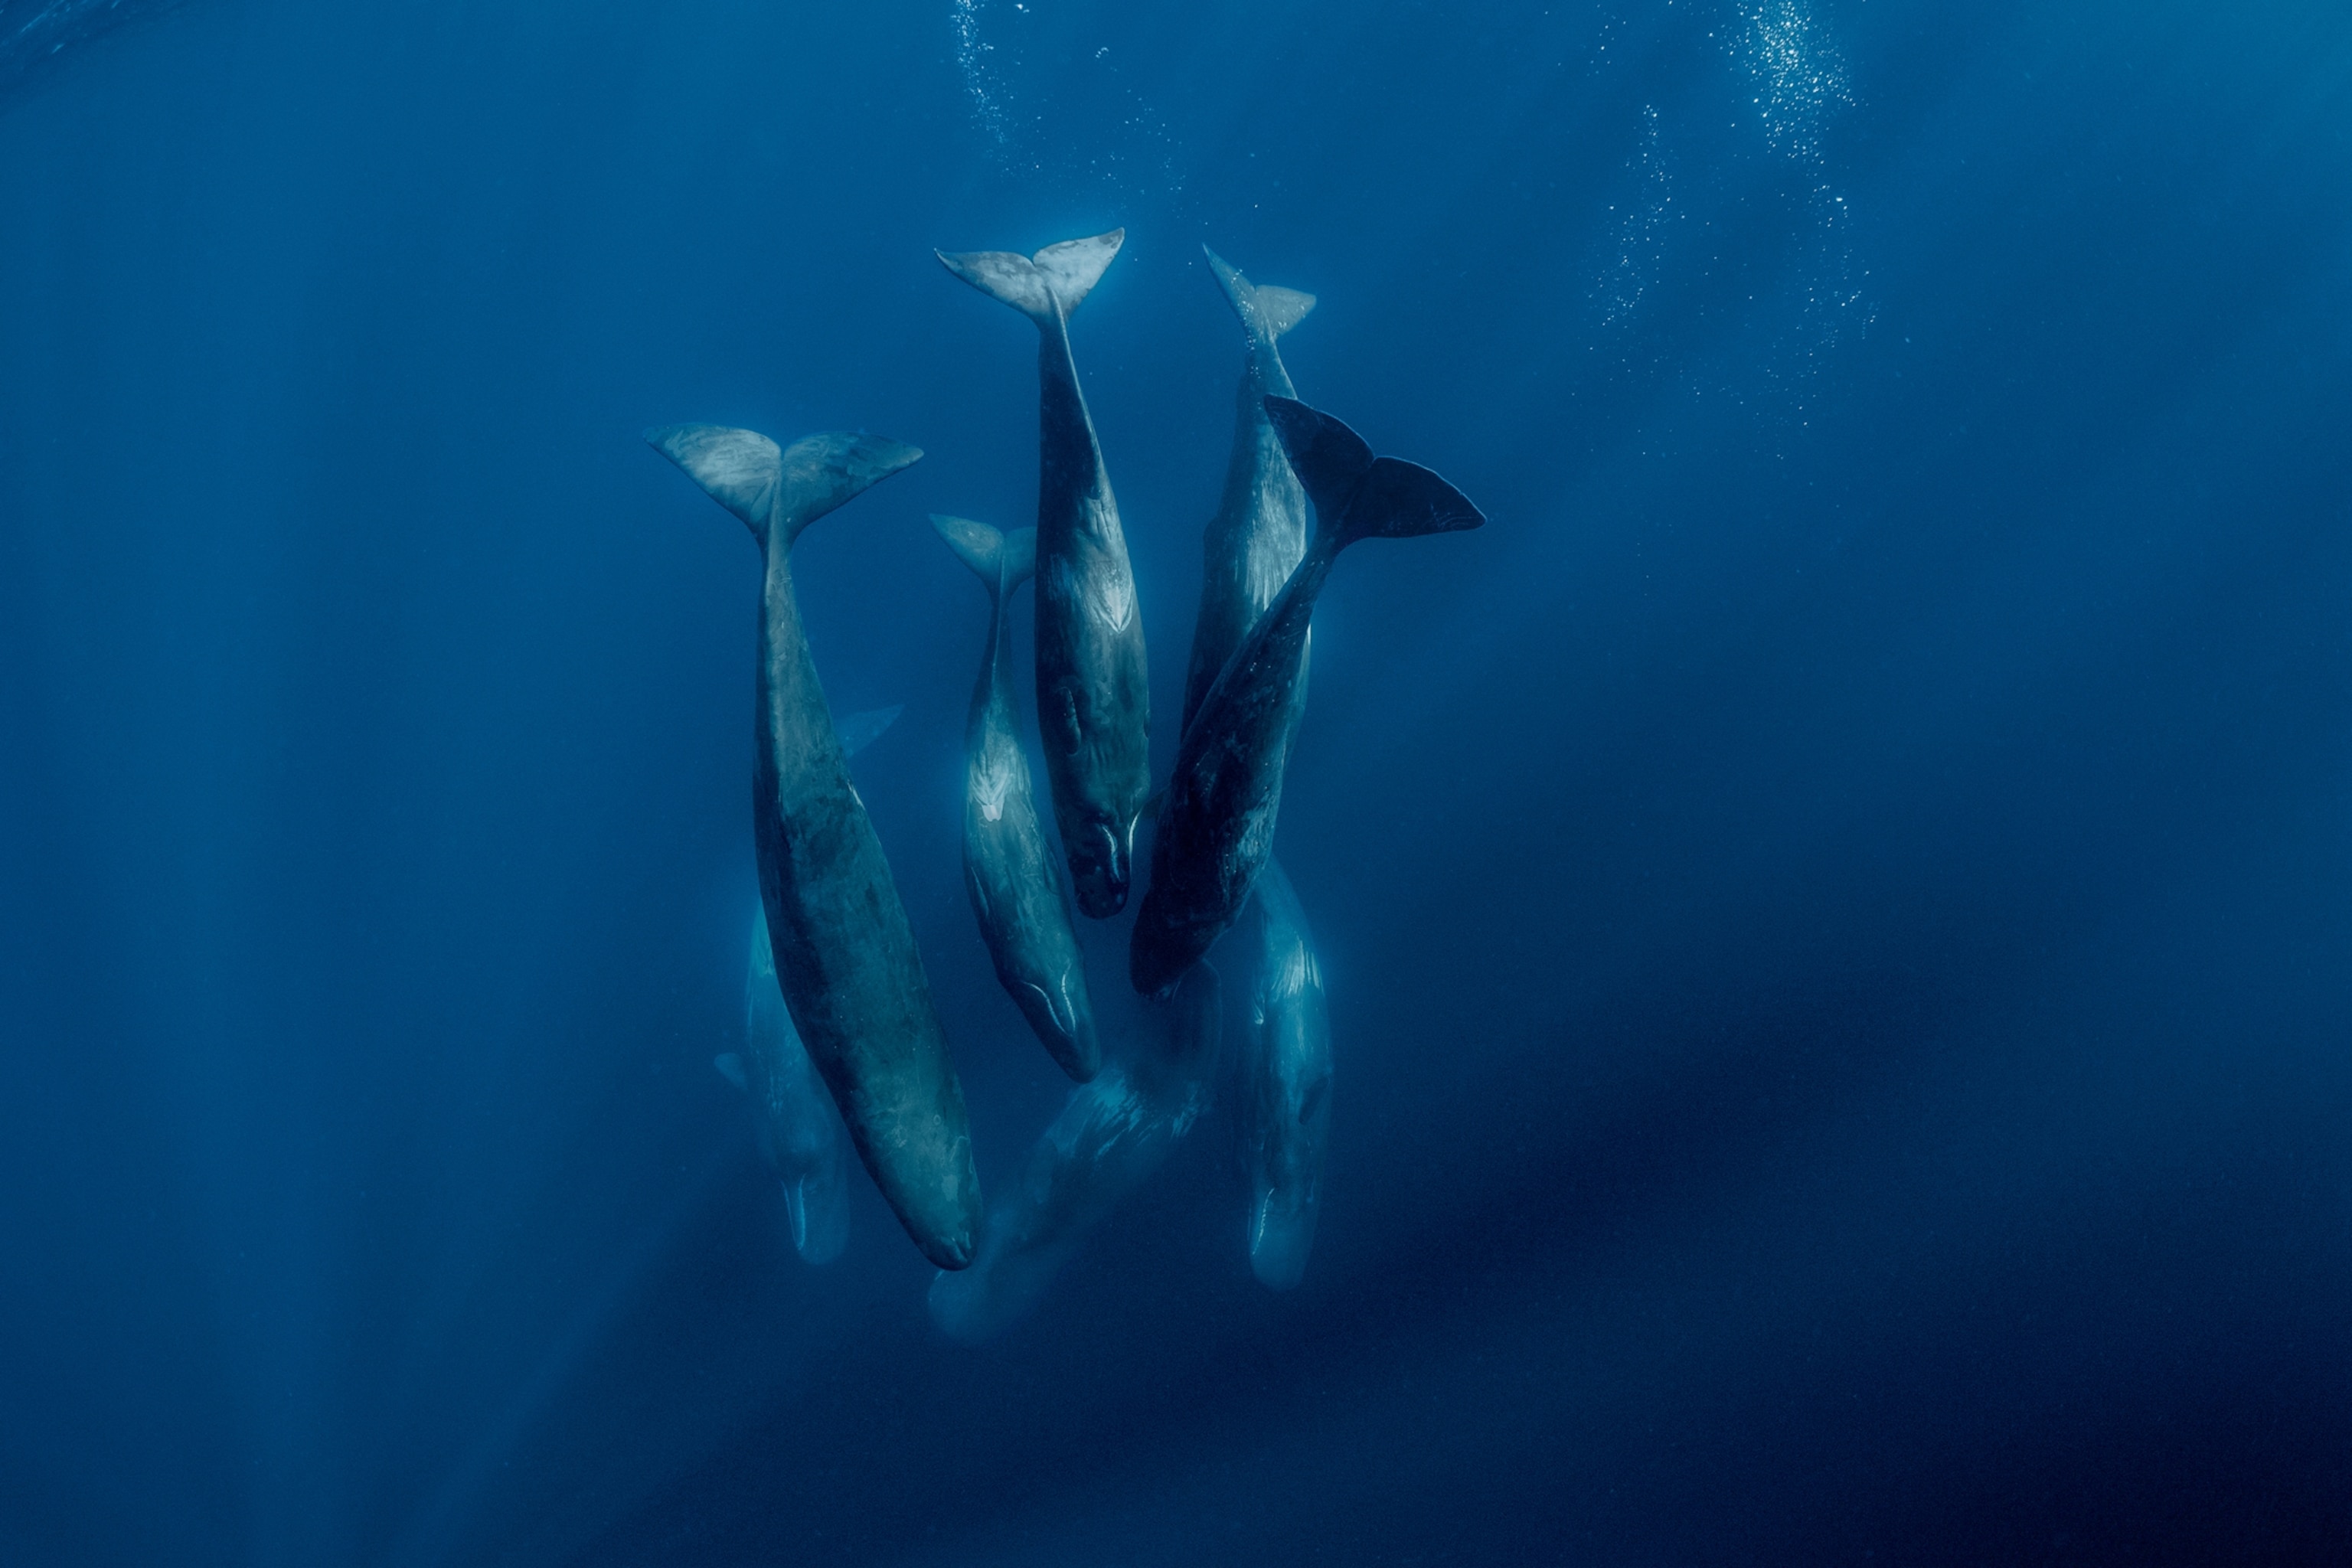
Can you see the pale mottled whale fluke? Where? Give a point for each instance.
(800, 1132)
(1260, 529)
(1217, 823)
(846, 958)
(1015, 880)
(1113, 1133)
(1093, 697)
(1283, 1079)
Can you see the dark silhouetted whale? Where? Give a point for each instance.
(846, 958)
(1217, 821)
(1093, 701)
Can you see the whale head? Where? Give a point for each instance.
(1099, 868)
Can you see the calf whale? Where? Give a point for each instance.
(1217, 819)
(799, 1131)
(845, 957)
(792, 1115)
(1016, 883)
(1284, 1083)
(1259, 531)
(1093, 701)
(1110, 1137)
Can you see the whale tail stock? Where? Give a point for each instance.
(1359, 496)
(789, 486)
(1058, 276)
(1002, 560)
(1262, 307)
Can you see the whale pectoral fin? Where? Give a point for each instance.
(1074, 266)
(730, 1068)
(739, 470)
(860, 731)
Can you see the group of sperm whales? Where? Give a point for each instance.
(841, 998)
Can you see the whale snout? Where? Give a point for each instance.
(1099, 871)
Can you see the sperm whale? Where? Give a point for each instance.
(1013, 879)
(1217, 819)
(1093, 697)
(845, 957)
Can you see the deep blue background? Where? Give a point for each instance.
(1835, 902)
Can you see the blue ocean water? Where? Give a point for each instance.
(1833, 902)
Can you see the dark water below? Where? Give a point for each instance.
(1834, 901)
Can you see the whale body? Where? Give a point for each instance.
(1111, 1136)
(844, 955)
(1011, 874)
(799, 1131)
(792, 1115)
(1217, 819)
(1093, 701)
(1259, 531)
(1283, 1079)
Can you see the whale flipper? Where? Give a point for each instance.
(792, 487)
(1060, 275)
(860, 731)
(1265, 308)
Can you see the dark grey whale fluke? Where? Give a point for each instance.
(1093, 697)
(1260, 528)
(1015, 880)
(1217, 823)
(846, 958)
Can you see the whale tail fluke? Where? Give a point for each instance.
(1060, 276)
(1002, 560)
(1262, 308)
(788, 488)
(1359, 496)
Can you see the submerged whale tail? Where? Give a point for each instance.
(1002, 561)
(1058, 277)
(1263, 309)
(789, 486)
(1359, 496)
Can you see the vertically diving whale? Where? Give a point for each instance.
(1217, 823)
(1093, 704)
(799, 1131)
(1260, 528)
(846, 958)
(1010, 871)
(1113, 1133)
(1284, 1079)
